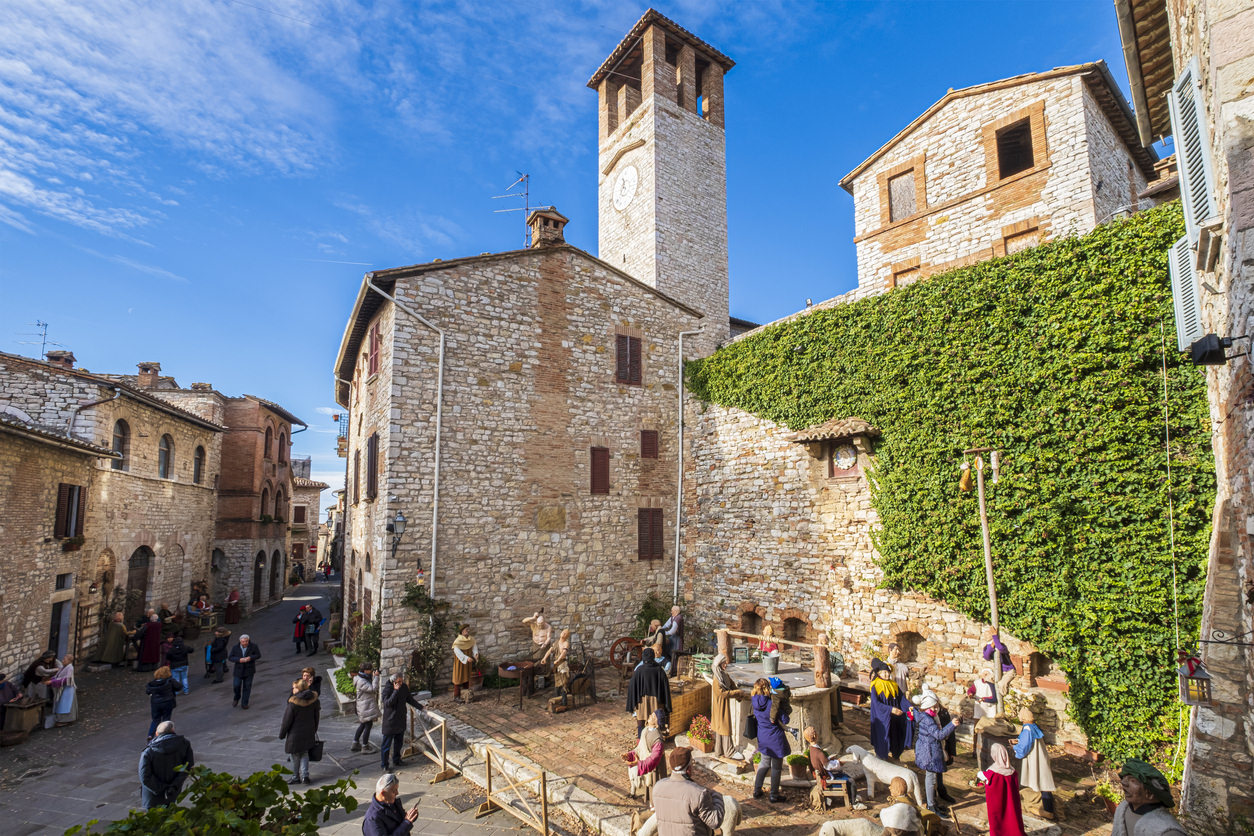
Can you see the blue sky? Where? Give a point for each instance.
(204, 182)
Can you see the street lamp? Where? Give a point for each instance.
(964, 484)
(397, 529)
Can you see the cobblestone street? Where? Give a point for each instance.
(67, 776)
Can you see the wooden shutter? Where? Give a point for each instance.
(298, 514)
(372, 466)
(82, 512)
(1188, 127)
(648, 444)
(61, 526)
(372, 363)
(356, 476)
(1184, 294)
(622, 358)
(600, 470)
(633, 352)
(649, 533)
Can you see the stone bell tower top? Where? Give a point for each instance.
(660, 57)
(662, 204)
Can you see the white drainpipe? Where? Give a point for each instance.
(679, 491)
(439, 411)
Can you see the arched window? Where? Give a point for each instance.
(269, 443)
(198, 465)
(122, 445)
(367, 561)
(280, 505)
(282, 447)
(265, 502)
(165, 457)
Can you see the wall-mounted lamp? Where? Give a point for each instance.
(1209, 350)
(397, 529)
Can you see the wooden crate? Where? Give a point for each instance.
(689, 697)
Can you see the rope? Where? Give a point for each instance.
(1171, 523)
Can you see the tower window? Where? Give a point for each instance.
(901, 199)
(628, 358)
(1014, 148)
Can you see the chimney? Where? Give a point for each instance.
(202, 387)
(546, 227)
(61, 359)
(148, 373)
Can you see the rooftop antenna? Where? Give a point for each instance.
(43, 338)
(525, 181)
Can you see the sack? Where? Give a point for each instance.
(315, 751)
(751, 727)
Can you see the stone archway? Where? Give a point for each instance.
(217, 562)
(259, 576)
(276, 564)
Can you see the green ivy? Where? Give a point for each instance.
(1055, 357)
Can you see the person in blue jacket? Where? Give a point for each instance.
(929, 750)
(386, 815)
(772, 741)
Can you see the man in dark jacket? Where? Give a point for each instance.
(393, 697)
(244, 657)
(313, 624)
(386, 815)
(217, 654)
(300, 729)
(176, 658)
(160, 778)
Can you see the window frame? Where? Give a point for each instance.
(372, 466)
(357, 476)
(375, 344)
(650, 534)
(165, 457)
(599, 471)
(198, 465)
(124, 463)
(628, 359)
(70, 511)
(300, 515)
(650, 444)
(916, 164)
(1035, 115)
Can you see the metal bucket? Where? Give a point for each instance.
(770, 665)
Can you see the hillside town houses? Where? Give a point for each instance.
(535, 450)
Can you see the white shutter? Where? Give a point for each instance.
(1188, 127)
(1185, 295)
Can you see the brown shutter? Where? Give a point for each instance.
(648, 444)
(634, 359)
(372, 466)
(600, 470)
(298, 514)
(63, 511)
(655, 537)
(356, 476)
(82, 512)
(623, 359)
(373, 361)
(642, 533)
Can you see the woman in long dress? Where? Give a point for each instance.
(150, 644)
(891, 729)
(1001, 795)
(65, 697)
(724, 691)
(465, 654)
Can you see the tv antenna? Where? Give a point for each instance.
(525, 181)
(43, 338)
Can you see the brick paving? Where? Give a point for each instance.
(584, 746)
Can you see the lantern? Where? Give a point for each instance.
(1194, 680)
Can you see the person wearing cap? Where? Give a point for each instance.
(890, 727)
(929, 753)
(1034, 771)
(1146, 799)
(1001, 795)
(684, 807)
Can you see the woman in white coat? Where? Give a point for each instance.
(64, 693)
(367, 685)
(1034, 771)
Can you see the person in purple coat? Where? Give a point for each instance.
(891, 728)
(772, 741)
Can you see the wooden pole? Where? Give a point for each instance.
(544, 803)
(992, 587)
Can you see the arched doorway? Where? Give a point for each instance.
(276, 563)
(259, 575)
(216, 564)
(137, 583)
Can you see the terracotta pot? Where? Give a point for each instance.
(798, 770)
(701, 745)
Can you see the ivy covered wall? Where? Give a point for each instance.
(1054, 356)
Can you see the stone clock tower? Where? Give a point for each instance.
(663, 170)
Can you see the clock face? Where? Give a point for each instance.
(844, 456)
(625, 187)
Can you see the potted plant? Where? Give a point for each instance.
(72, 544)
(1107, 795)
(798, 766)
(700, 736)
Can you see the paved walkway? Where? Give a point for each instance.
(67, 776)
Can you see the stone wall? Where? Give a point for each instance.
(1219, 766)
(529, 389)
(964, 213)
(30, 473)
(770, 534)
(1114, 177)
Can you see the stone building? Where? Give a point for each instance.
(1190, 63)
(306, 524)
(544, 424)
(254, 489)
(144, 511)
(995, 168)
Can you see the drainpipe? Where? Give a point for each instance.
(439, 409)
(69, 427)
(679, 491)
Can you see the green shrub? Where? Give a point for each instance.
(1054, 356)
(650, 608)
(344, 681)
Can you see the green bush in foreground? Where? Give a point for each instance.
(1054, 356)
(220, 804)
